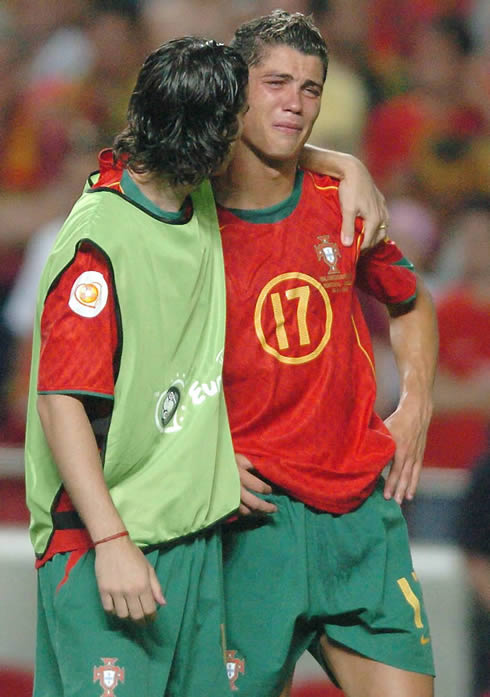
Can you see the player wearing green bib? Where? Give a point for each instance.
(129, 471)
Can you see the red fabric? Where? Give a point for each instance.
(89, 342)
(457, 439)
(109, 173)
(316, 689)
(72, 560)
(384, 274)
(77, 352)
(300, 401)
(66, 541)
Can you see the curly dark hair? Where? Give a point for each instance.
(182, 115)
(280, 28)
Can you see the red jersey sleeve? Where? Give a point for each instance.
(386, 274)
(79, 329)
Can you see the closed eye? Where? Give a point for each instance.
(313, 90)
(275, 83)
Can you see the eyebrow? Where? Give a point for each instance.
(274, 73)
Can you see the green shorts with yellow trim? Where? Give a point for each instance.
(83, 652)
(299, 573)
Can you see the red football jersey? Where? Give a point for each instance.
(88, 342)
(298, 370)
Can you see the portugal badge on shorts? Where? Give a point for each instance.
(88, 295)
(108, 676)
(234, 666)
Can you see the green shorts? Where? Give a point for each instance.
(300, 573)
(83, 652)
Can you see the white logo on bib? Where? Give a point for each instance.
(88, 295)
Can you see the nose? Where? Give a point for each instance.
(292, 99)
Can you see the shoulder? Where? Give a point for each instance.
(320, 182)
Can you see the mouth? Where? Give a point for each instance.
(288, 128)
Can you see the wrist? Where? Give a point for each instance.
(109, 538)
(349, 165)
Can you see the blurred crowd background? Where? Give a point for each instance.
(407, 91)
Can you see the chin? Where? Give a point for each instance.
(282, 155)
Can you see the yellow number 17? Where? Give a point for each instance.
(302, 294)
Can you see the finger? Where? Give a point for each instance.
(389, 489)
(402, 484)
(120, 606)
(244, 510)
(256, 504)
(374, 232)
(107, 602)
(148, 605)
(383, 207)
(414, 480)
(400, 491)
(392, 479)
(348, 228)
(253, 483)
(135, 609)
(156, 588)
(243, 461)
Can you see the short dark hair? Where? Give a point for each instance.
(280, 27)
(182, 114)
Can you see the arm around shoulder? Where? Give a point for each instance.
(358, 194)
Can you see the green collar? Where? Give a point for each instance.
(133, 192)
(273, 214)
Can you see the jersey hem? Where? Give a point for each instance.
(81, 392)
(43, 557)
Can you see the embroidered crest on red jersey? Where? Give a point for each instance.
(328, 252)
(89, 294)
(108, 676)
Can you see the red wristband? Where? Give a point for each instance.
(124, 533)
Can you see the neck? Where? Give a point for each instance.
(253, 182)
(160, 192)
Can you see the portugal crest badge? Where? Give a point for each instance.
(328, 252)
(108, 676)
(234, 667)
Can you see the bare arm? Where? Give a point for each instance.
(414, 339)
(127, 583)
(358, 194)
